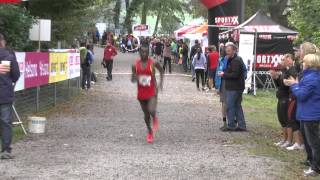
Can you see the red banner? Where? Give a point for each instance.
(10, 1)
(269, 61)
(212, 3)
(36, 69)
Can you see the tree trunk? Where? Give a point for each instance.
(144, 12)
(130, 14)
(158, 20)
(116, 17)
(276, 10)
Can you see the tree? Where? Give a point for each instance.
(275, 8)
(70, 18)
(116, 18)
(305, 18)
(132, 9)
(15, 23)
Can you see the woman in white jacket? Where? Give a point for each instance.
(199, 63)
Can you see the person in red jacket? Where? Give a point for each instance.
(143, 72)
(109, 53)
(213, 59)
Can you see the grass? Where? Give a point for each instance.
(261, 114)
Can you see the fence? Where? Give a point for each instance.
(44, 97)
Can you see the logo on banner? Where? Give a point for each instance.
(270, 61)
(227, 20)
(141, 27)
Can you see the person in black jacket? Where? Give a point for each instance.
(9, 74)
(235, 85)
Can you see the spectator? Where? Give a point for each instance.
(307, 92)
(109, 53)
(158, 50)
(235, 85)
(9, 74)
(185, 53)
(167, 56)
(174, 51)
(85, 66)
(193, 51)
(213, 59)
(199, 63)
(283, 95)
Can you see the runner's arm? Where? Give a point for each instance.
(133, 75)
(160, 69)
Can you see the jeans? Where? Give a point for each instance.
(109, 68)
(200, 74)
(167, 60)
(6, 126)
(311, 135)
(234, 110)
(185, 63)
(86, 76)
(193, 71)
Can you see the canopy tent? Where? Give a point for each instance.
(272, 39)
(262, 44)
(188, 28)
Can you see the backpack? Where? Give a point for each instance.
(83, 55)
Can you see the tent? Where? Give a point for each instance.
(262, 44)
(272, 39)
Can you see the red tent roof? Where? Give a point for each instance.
(10, 1)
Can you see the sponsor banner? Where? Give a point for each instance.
(269, 61)
(58, 67)
(140, 30)
(246, 51)
(74, 65)
(227, 20)
(21, 56)
(36, 69)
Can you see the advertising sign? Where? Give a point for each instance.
(140, 30)
(36, 69)
(21, 56)
(74, 65)
(58, 67)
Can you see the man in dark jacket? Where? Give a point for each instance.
(235, 85)
(9, 74)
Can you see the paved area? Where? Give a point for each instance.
(102, 135)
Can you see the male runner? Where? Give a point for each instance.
(143, 71)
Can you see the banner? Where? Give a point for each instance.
(140, 30)
(74, 65)
(21, 56)
(246, 51)
(58, 67)
(36, 69)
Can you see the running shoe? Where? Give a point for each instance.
(150, 137)
(155, 124)
(6, 155)
(286, 144)
(296, 146)
(280, 143)
(310, 172)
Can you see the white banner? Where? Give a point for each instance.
(21, 56)
(246, 51)
(74, 65)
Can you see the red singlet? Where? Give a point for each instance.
(146, 80)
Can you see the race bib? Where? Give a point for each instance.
(145, 81)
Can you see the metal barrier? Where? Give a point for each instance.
(33, 100)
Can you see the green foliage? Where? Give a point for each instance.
(15, 24)
(305, 18)
(70, 18)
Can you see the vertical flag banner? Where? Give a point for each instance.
(246, 51)
(21, 61)
(36, 69)
(74, 65)
(58, 67)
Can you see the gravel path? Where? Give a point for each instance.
(101, 135)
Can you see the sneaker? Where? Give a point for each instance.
(226, 129)
(280, 143)
(286, 144)
(296, 146)
(310, 172)
(241, 129)
(150, 137)
(6, 155)
(193, 79)
(155, 124)
(305, 163)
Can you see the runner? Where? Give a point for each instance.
(143, 71)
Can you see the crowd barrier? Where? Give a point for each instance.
(46, 79)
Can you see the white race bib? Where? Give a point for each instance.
(145, 80)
